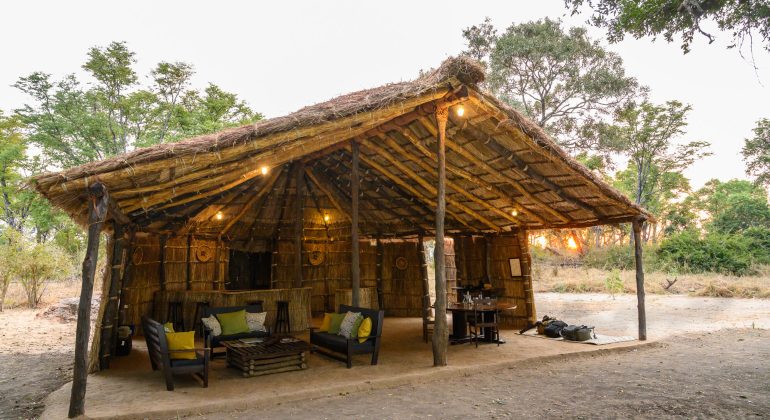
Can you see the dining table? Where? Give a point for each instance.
(460, 313)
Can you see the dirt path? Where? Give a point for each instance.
(703, 375)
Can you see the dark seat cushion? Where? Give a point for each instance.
(187, 362)
(339, 343)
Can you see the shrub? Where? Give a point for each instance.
(40, 263)
(10, 241)
(720, 253)
(613, 283)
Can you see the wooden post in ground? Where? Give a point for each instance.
(642, 314)
(188, 271)
(440, 330)
(526, 274)
(378, 273)
(109, 327)
(355, 268)
(298, 225)
(97, 211)
(162, 261)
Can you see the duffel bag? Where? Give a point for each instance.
(554, 328)
(577, 332)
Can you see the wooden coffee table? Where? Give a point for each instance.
(273, 355)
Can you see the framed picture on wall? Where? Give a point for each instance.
(515, 267)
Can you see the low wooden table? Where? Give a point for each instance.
(273, 355)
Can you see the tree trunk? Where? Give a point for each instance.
(355, 268)
(378, 268)
(637, 228)
(440, 331)
(96, 214)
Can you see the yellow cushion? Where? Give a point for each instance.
(181, 341)
(326, 322)
(365, 329)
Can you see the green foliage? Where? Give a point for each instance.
(669, 18)
(756, 153)
(645, 133)
(613, 283)
(715, 252)
(74, 123)
(10, 240)
(609, 257)
(742, 211)
(562, 79)
(40, 263)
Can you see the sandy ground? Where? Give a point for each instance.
(37, 352)
(701, 375)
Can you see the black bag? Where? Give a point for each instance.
(553, 329)
(577, 333)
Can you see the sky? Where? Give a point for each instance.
(281, 56)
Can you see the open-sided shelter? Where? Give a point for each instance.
(330, 203)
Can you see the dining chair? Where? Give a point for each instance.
(483, 318)
(428, 320)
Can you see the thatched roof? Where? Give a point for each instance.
(503, 170)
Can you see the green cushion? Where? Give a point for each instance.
(334, 326)
(233, 322)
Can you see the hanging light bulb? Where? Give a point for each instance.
(327, 218)
(514, 212)
(219, 215)
(460, 111)
(264, 170)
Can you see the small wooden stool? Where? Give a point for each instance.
(282, 323)
(175, 315)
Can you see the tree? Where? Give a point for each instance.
(669, 18)
(563, 80)
(646, 134)
(39, 264)
(756, 153)
(73, 124)
(12, 155)
(10, 240)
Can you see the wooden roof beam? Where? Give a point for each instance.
(477, 180)
(266, 188)
(494, 172)
(411, 190)
(527, 170)
(395, 162)
(452, 185)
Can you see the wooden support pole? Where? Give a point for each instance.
(298, 224)
(217, 264)
(487, 259)
(97, 210)
(440, 331)
(188, 272)
(637, 225)
(526, 274)
(355, 253)
(108, 327)
(162, 261)
(423, 265)
(378, 272)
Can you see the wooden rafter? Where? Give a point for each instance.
(479, 181)
(263, 191)
(452, 185)
(456, 148)
(395, 192)
(428, 186)
(527, 170)
(404, 185)
(328, 192)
